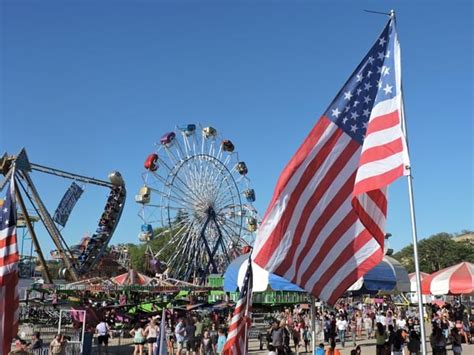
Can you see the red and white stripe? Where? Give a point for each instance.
(236, 343)
(9, 300)
(237, 339)
(454, 280)
(324, 227)
(412, 277)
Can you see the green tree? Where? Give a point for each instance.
(436, 252)
(138, 252)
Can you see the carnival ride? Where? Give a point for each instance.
(78, 260)
(197, 192)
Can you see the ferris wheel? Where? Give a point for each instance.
(196, 190)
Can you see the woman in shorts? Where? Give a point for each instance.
(170, 340)
(138, 339)
(151, 332)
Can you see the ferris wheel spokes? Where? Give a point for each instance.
(170, 173)
(172, 157)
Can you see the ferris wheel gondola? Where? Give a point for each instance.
(196, 191)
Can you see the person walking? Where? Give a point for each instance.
(327, 328)
(206, 347)
(331, 350)
(213, 334)
(438, 341)
(221, 340)
(353, 330)
(296, 335)
(151, 333)
(102, 330)
(56, 346)
(456, 341)
(307, 338)
(198, 333)
(358, 319)
(341, 325)
(398, 342)
(381, 338)
(286, 336)
(277, 338)
(36, 342)
(190, 329)
(180, 334)
(368, 326)
(138, 335)
(414, 343)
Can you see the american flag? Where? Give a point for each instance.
(8, 271)
(324, 227)
(237, 337)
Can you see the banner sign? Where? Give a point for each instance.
(67, 204)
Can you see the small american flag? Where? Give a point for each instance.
(237, 338)
(324, 227)
(8, 270)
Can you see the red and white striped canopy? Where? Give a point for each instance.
(454, 280)
(131, 277)
(412, 277)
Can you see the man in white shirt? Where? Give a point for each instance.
(180, 332)
(401, 323)
(102, 330)
(341, 326)
(383, 319)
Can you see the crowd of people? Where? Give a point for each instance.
(452, 325)
(395, 330)
(57, 346)
(192, 334)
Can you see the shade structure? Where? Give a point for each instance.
(387, 276)
(132, 277)
(262, 279)
(412, 277)
(454, 280)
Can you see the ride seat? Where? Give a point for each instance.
(241, 168)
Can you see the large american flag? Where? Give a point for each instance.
(237, 338)
(324, 227)
(8, 270)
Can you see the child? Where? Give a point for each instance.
(221, 339)
(306, 338)
(320, 349)
(206, 344)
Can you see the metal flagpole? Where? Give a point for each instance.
(417, 266)
(249, 295)
(162, 350)
(413, 220)
(414, 238)
(313, 325)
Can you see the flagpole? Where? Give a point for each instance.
(162, 333)
(247, 306)
(414, 237)
(313, 325)
(413, 218)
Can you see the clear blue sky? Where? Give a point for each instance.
(90, 86)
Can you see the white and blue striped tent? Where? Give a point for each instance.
(262, 279)
(388, 276)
